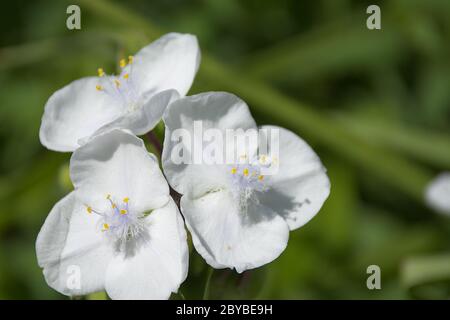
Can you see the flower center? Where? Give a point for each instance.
(120, 222)
(247, 177)
(120, 87)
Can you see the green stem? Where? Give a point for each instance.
(153, 139)
(307, 55)
(207, 284)
(411, 141)
(425, 269)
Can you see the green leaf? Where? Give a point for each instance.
(426, 269)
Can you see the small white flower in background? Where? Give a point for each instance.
(119, 225)
(239, 218)
(438, 193)
(134, 100)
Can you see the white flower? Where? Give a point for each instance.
(119, 230)
(134, 100)
(437, 193)
(239, 218)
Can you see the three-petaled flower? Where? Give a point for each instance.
(134, 100)
(119, 227)
(238, 217)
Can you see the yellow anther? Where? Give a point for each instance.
(245, 172)
(126, 199)
(130, 59)
(233, 170)
(117, 82)
(100, 72)
(261, 178)
(89, 209)
(105, 227)
(126, 76)
(108, 196)
(99, 87)
(122, 212)
(263, 159)
(122, 63)
(113, 205)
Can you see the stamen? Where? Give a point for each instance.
(89, 210)
(121, 87)
(100, 72)
(121, 222)
(247, 179)
(263, 159)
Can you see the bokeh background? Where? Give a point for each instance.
(375, 105)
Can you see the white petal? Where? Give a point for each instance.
(226, 236)
(74, 112)
(219, 110)
(117, 163)
(170, 62)
(158, 263)
(145, 118)
(301, 186)
(438, 193)
(68, 245)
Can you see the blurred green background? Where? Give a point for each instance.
(375, 105)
